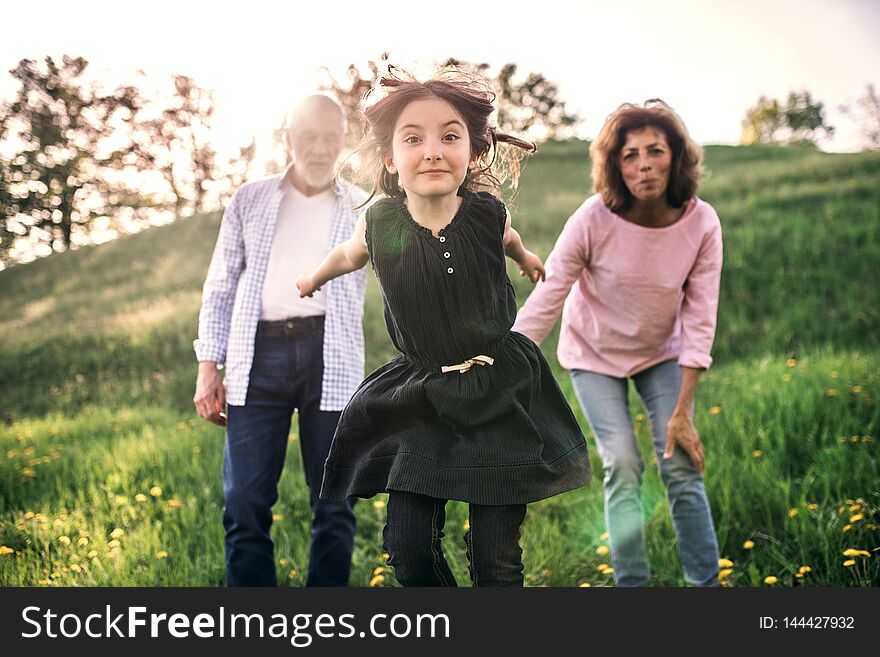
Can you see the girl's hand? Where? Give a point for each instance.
(680, 430)
(306, 286)
(532, 266)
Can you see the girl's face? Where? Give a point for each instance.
(430, 149)
(645, 163)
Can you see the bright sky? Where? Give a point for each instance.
(709, 59)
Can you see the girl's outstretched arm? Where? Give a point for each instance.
(344, 258)
(529, 264)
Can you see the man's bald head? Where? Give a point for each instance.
(316, 105)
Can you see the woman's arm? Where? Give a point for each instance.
(344, 258)
(564, 264)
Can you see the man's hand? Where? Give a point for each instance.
(210, 397)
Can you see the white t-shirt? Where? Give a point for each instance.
(302, 234)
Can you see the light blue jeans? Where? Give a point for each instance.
(604, 400)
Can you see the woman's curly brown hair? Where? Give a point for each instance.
(687, 155)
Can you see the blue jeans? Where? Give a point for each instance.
(286, 376)
(413, 533)
(604, 400)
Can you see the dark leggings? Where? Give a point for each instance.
(414, 529)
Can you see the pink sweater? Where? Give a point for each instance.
(633, 296)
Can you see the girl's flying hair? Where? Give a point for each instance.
(497, 154)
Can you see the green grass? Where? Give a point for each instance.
(98, 374)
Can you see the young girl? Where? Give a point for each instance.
(470, 410)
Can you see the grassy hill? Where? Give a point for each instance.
(97, 376)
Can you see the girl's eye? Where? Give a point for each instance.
(412, 139)
(451, 137)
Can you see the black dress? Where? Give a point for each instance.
(496, 434)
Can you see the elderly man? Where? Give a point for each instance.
(282, 353)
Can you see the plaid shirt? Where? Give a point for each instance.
(232, 295)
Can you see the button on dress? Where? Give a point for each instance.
(494, 434)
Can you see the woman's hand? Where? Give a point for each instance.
(306, 286)
(680, 430)
(531, 265)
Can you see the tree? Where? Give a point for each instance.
(762, 122)
(59, 127)
(801, 120)
(865, 112)
(176, 142)
(805, 118)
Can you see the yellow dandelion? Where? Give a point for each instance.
(867, 439)
(43, 582)
(282, 562)
(604, 537)
(111, 555)
(812, 506)
(162, 554)
(380, 570)
(748, 545)
(82, 541)
(292, 574)
(5, 549)
(791, 362)
(854, 439)
(715, 410)
(276, 517)
(584, 585)
(831, 392)
(804, 569)
(786, 377)
(799, 575)
(92, 554)
(64, 540)
(726, 572)
(117, 533)
(756, 454)
(640, 417)
(28, 472)
(602, 550)
(770, 579)
(379, 504)
(140, 497)
(849, 563)
(197, 450)
(846, 528)
(725, 563)
(602, 567)
(76, 568)
(174, 503)
(377, 580)
(291, 437)
(467, 525)
(41, 518)
(113, 544)
(385, 556)
(29, 515)
(834, 375)
(56, 575)
(608, 571)
(856, 517)
(857, 389)
(156, 491)
(792, 512)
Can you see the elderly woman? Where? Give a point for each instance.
(637, 268)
